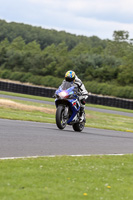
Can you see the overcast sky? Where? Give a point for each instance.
(80, 17)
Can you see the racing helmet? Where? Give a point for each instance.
(70, 76)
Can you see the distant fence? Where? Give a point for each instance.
(49, 92)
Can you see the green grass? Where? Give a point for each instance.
(27, 96)
(93, 118)
(109, 121)
(65, 177)
(15, 114)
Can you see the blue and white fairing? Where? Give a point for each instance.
(67, 95)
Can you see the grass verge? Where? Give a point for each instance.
(52, 100)
(24, 110)
(65, 177)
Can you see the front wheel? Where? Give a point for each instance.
(61, 119)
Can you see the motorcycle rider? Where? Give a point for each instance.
(72, 77)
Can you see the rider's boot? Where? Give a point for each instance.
(81, 113)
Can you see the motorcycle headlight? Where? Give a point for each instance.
(63, 94)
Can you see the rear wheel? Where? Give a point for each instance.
(78, 126)
(61, 120)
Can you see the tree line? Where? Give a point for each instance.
(41, 56)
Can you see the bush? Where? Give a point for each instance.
(26, 77)
(5, 74)
(16, 76)
(51, 81)
(110, 90)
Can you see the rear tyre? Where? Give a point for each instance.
(78, 126)
(61, 121)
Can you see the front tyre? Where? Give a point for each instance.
(61, 120)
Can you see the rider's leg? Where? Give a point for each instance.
(82, 108)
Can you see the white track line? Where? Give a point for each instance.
(11, 158)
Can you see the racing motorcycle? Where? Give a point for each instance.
(68, 107)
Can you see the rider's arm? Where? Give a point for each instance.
(82, 89)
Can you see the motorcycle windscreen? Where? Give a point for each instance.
(66, 85)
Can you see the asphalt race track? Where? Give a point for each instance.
(21, 138)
